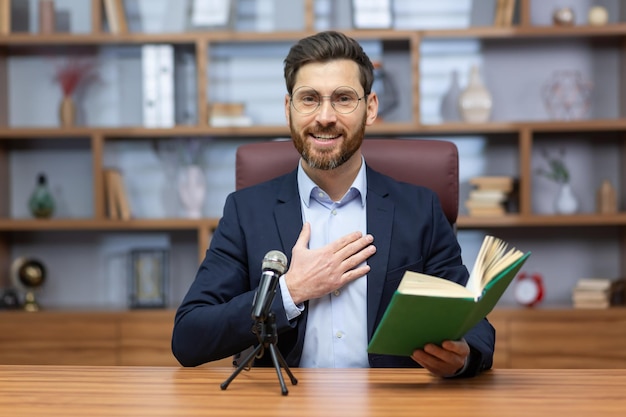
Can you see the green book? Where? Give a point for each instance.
(427, 309)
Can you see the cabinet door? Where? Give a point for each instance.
(57, 339)
(574, 339)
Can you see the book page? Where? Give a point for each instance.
(492, 259)
(415, 283)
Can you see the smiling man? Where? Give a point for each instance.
(323, 216)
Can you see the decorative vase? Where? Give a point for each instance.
(67, 111)
(598, 16)
(567, 95)
(475, 101)
(564, 17)
(606, 199)
(566, 201)
(191, 190)
(449, 109)
(41, 203)
(385, 89)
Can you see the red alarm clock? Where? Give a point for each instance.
(529, 289)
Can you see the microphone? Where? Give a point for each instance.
(274, 265)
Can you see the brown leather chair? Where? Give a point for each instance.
(431, 163)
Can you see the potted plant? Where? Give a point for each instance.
(70, 74)
(557, 171)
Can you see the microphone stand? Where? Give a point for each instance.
(267, 334)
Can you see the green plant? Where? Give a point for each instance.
(556, 171)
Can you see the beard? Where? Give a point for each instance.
(327, 159)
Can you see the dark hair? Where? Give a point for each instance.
(324, 47)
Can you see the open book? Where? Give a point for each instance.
(427, 309)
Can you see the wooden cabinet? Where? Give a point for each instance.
(557, 338)
(532, 338)
(512, 143)
(89, 338)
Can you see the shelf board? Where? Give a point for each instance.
(14, 225)
(514, 220)
(464, 222)
(482, 32)
(493, 32)
(378, 129)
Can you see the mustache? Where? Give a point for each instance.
(329, 131)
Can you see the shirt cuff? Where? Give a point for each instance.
(292, 310)
(464, 368)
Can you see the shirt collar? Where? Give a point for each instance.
(306, 186)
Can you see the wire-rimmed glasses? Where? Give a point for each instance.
(344, 99)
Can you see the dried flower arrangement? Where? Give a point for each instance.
(73, 72)
(557, 170)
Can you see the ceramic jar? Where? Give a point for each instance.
(564, 17)
(566, 201)
(475, 101)
(598, 16)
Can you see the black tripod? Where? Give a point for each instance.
(267, 334)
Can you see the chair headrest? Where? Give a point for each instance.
(430, 163)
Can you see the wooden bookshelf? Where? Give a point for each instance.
(523, 136)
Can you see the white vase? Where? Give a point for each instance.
(191, 190)
(566, 201)
(475, 101)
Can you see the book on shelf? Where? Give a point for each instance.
(428, 309)
(117, 203)
(5, 17)
(503, 183)
(486, 211)
(490, 195)
(228, 114)
(157, 66)
(509, 12)
(505, 10)
(599, 293)
(116, 16)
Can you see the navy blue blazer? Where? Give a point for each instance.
(410, 233)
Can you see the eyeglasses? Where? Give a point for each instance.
(344, 100)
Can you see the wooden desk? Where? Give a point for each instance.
(169, 391)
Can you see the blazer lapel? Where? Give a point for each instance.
(380, 212)
(288, 213)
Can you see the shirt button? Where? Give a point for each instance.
(320, 195)
(334, 212)
(336, 292)
(339, 335)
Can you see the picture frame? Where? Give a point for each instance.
(210, 14)
(372, 14)
(149, 270)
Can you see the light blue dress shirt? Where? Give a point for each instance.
(336, 330)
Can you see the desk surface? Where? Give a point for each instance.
(163, 391)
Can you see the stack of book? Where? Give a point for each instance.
(489, 195)
(228, 114)
(599, 293)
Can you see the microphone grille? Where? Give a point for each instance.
(276, 261)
